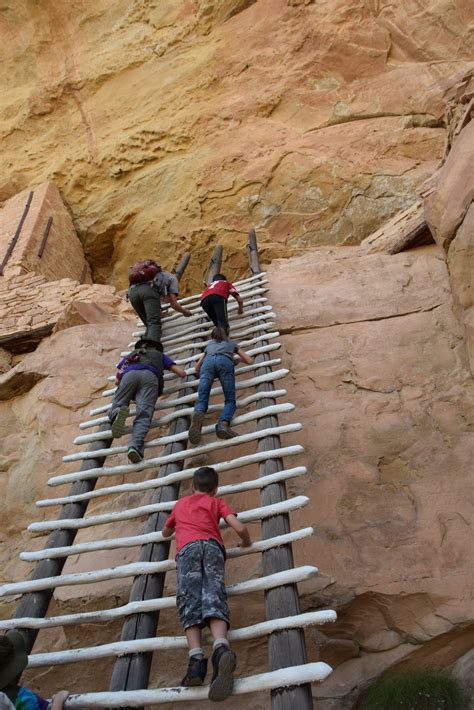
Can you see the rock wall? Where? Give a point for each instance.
(170, 126)
(380, 376)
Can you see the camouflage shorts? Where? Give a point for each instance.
(200, 585)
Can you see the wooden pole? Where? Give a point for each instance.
(132, 671)
(16, 236)
(284, 647)
(215, 263)
(180, 269)
(252, 250)
(35, 604)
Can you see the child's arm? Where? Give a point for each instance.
(59, 699)
(167, 532)
(240, 301)
(197, 367)
(177, 370)
(248, 359)
(240, 529)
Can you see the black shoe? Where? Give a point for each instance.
(223, 430)
(194, 433)
(224, 663)
(197, 669)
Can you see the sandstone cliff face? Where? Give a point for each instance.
(171, 125)
(380, 376)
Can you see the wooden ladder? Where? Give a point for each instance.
(290, 675)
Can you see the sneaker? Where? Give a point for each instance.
(194, 433)
(224, 663)
(223, 430)
(197, 669)
(134, 455)
(118, 424)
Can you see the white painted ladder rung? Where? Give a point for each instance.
(171, 458)
(165, 643)
(177, 386)
(264, 325)
(164, 440)
(181, 385)
(283, 677)
(265, 511)
(195, 326)
(177, 476)
(135, 568)
(185, 411)
(192, 359)
(242, 385)
(147, 604)
(117, 543)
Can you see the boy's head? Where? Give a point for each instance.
(205, 479)
(13, 657)
(219, 277)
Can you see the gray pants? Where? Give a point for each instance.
(200, 586)
(142, 386)
(147, 303)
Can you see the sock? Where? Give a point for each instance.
(196, 652)
(218, 642)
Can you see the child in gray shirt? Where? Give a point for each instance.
(217, 360)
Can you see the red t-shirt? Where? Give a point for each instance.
(220, 288)
(196, 517)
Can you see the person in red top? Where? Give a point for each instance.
(200, 587)
(214, 300)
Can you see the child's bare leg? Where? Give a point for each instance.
(218, 628)
(194, 639)
(197, 666)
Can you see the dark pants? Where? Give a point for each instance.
(142, 386)
(216, 308)
(146, 302)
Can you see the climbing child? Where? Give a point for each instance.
(200, 587)
(148, 285)
(214, 300)
(139, 377)
(217, 360)
(13, 661)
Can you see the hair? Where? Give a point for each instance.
(6, 650)
(219, 277)
(147, 343)
(205, 479)
(219, 334)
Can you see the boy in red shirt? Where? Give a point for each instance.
(214, 300)
(200, 587)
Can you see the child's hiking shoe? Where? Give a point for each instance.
(197, 669)
(223, 430)
(118, 424)
(194, 433)
(224, 663)
(134, 455)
